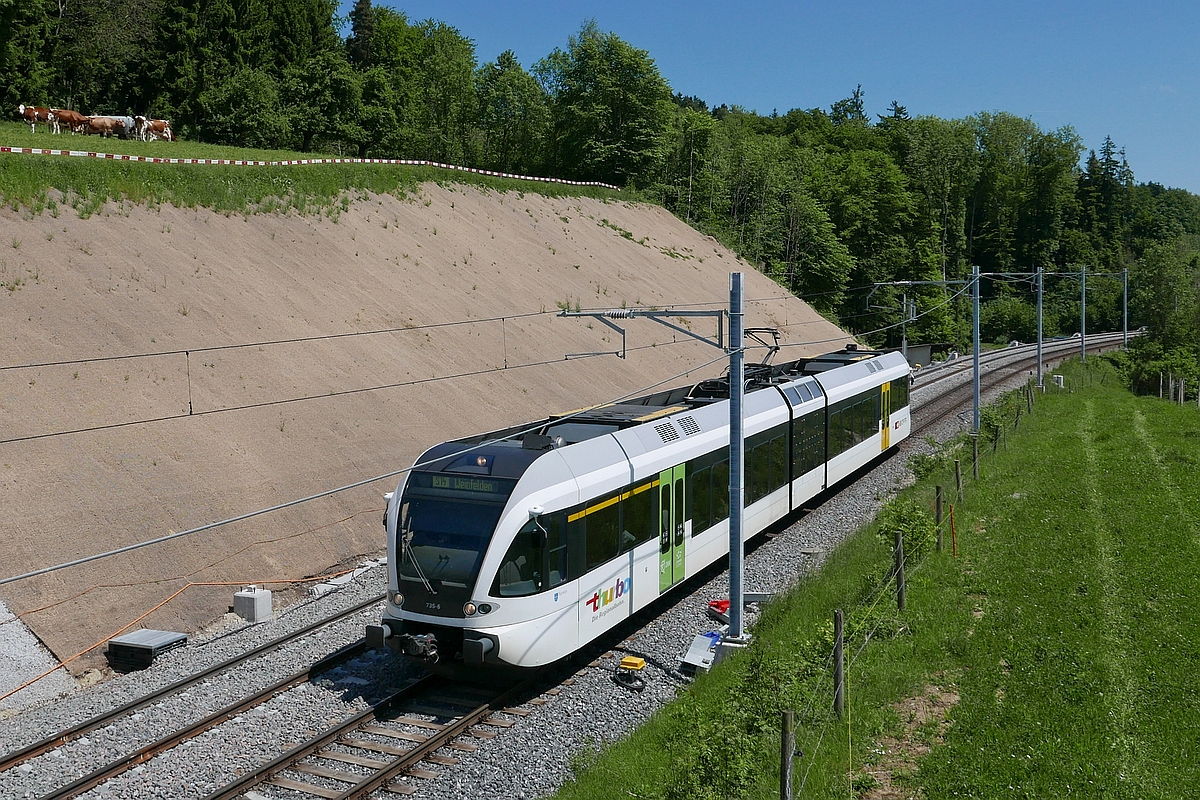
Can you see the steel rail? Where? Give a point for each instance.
(440, 739)
(997, 375)
(403, 761)
(114, 768)
(18, 757)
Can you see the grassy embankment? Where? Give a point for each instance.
(46, 183)
(1066, 625)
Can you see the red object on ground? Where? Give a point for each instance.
(720, 606)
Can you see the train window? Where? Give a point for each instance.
(900, 393)
(701, 496)
(808, 443)
(556, 548)
(520, 571)
(755, 467)
(720, 497)
(603, 527)
(664, 527)
(777, 453)
(637, 516)
(576, 542)
(680, 526)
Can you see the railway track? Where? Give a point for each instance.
(949, 393)
(395, 739)
(95, 777)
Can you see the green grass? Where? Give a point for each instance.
(38, 183)
(1067, 625)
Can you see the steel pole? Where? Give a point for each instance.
(737, 388)
(1125, 309)
(904, 326)
(975, 276)
(1083, 312)
(1039, 327)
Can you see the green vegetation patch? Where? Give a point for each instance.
(1054, 655)
(37, 182)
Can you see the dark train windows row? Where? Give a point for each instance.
(853, 420)
(899, 393)
(708, 478)
(576, 541)
(808, 442)
(766, 469)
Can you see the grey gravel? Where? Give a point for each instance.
(22, 659)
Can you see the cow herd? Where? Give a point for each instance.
(55, 119)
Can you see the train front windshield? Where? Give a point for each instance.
(445, 525)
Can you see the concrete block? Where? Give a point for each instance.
(252, 604)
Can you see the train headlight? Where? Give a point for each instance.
(469, 609)
(485, 608)
(398, 599)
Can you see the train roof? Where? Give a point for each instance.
(587, 423)
(509, 452)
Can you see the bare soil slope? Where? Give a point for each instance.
(177, 380)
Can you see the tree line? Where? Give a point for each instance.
(830, 202)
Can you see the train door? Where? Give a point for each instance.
(885, 413)
(671, 536)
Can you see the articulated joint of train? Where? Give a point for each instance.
(424, 647)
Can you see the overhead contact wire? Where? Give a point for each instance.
(329, 492)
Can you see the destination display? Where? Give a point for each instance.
(460, 484)
(472, 484)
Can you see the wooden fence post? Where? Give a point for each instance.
(839, 663)
(937, 511)
(958, 478)
(787, 749)
(899, 571)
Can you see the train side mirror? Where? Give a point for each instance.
(538, 535)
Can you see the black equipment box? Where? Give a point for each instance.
(138, 650)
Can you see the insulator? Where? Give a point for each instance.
(619, 313)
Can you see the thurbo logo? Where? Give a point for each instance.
(602, 601)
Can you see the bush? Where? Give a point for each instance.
(1007, 318)
(245, 111)
(908, 517)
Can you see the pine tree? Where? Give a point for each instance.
(362, 26)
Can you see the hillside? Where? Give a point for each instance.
(198, 365)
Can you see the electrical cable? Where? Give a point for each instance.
(342, 393)
(208, 566)
(329, 492)
(271, 342)
(157, 606)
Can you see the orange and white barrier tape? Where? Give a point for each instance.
(41, 151)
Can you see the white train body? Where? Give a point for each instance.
(515, 549)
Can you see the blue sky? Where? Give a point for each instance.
(1125, 70)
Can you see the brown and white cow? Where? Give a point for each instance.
(151, 129)
(105, 126)
(73, 120)
(36, 114)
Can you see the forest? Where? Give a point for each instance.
(829, 201)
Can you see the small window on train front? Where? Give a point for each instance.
(520, 570)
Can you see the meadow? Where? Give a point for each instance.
(1049, 650)
(36, 183)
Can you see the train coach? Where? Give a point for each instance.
(515, 548)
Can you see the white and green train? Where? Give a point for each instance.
(515, 548)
